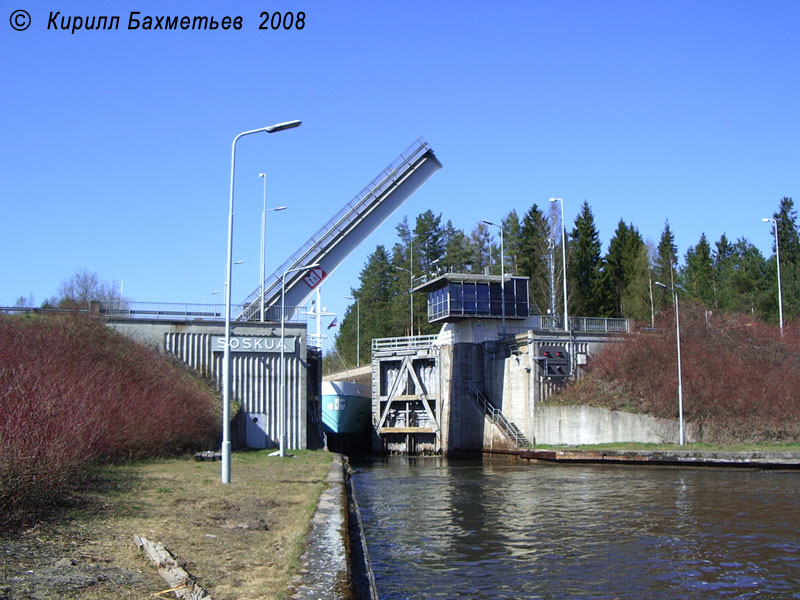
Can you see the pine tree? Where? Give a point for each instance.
(637, 295)
(457, 256)
(584, 264)
(698, 273)
(375, 293)
(481, 243)
(620, 268)
(789, 248)
(665, 267)
(429, 243)
(740, 278)
(788, 236)
(533, 259)
(402, 268)
(512, 231)
(429, 247)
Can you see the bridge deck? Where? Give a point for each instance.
(329, 246)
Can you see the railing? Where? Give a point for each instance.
(496, 416)
(342, 219)
(414, 341)
(32, 309)
(190, 312)
(590, 324)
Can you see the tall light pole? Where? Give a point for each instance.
(209, 294)
(563, 258)
(502, 271)
(411, 295)
(264, 212)
(226, 359)
(411, 273)
(358, 328)
(282, 434)
(551, 259)
(778, 261)
(678, 338)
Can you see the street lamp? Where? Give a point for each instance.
(358, 328)
(563, 258)
(678, 338)
(264, 212)
(502, 271)
(209, 294)
(282, 441)
(778, 261)
(226, 359)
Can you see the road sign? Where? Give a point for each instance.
(314, 277)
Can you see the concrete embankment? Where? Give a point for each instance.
(335, 564)
(697, 458)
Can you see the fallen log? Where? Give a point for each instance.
(181, 583)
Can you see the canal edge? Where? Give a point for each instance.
(335, 563)
(670, 458)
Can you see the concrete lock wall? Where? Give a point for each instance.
(515, 385)
(462, 419)
(580, 425)
(255, 369)
(508, 374)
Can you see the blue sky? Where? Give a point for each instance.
(116, 144)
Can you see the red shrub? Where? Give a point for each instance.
(741, 379)
(73, 392)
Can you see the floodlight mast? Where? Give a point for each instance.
(502, 273)
(563, 258)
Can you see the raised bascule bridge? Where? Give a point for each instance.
(195, 333)
(343, 232)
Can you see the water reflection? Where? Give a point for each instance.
(439, 529)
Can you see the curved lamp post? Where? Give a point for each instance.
(226, 359)
(678, 337)
(282, 434)
(778, 262)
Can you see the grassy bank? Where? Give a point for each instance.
(241, 540)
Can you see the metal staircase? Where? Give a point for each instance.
(329, 246)
(509, 429)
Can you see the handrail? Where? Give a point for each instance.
(496, 416)
(589, 324)
(414, 341)
(188, 311)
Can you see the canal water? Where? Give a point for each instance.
(444, 529)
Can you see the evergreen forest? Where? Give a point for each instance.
(726, 275)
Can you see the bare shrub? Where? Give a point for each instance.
(741, 379)
(74, 393)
